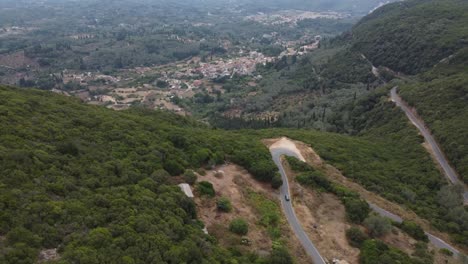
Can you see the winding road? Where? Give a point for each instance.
(294, 222)
(437, 242)
(288, 209)
(438, 154)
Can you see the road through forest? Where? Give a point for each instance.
(438, 154)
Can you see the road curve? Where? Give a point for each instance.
(437, 242)
(439, 155)
(309, 247)
(288, 209)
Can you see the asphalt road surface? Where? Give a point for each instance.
(289, 210)
(437, 242)
(309, 247)
(439, 155)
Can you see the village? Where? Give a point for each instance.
(157, 87)
(291, 17)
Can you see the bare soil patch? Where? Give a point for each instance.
(323, 217)
(234, 184)
(48, 255)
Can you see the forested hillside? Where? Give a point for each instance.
(429, 38)
(412, 36)
(96, 183)
(441, 99)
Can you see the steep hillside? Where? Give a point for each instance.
(95, 183)
(412, 36)
(428, 38)
(441, 99)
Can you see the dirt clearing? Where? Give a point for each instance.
(235, 183)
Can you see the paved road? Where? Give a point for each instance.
(437, 242)
(309, 247)
(289, 210)
(439, 155)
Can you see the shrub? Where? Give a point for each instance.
(206, 188)
(280, 255)
(239, 226)
(446, 252)
(298, 165)
(224, 204)
(315, 179)
(190, 177)
(201, 171)
(356, 237)
(356, 209)
(277, 181)
(219, 174)
(377, 225)
(414, 230)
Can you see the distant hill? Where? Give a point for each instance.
(412, 36)
(357, 7)
(428, 38)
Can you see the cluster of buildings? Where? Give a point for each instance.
(292, 17)
(182, 80)
(245, 65)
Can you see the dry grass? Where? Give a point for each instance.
(235, 185)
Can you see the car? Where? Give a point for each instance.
(286, 197)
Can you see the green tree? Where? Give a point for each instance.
(100, 237)
(23, 235)
(173, 167)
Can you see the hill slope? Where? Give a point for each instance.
(93, 182)
(412, 36)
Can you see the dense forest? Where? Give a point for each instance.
(96, 183)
